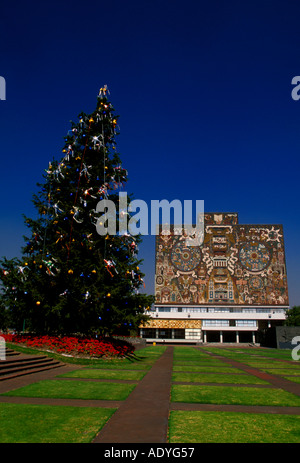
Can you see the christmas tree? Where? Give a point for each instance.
(71, 279)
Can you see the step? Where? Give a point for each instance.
(23, 372)
(8, 353)
(27, 366)
(23, 361)
(11, 353)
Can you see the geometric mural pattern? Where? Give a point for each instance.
(235, 265)
(177, 324)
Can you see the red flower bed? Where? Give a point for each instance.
(104, 347)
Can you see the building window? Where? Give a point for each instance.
(148, 333)
(165, 333)
(215, 322)
(245, 322)
(179, 333)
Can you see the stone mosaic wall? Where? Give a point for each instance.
(179, 324)
(235, 265)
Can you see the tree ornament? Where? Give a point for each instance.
(21, 270)
(57, 209)
(103, 91)
(51, 269)
(110, 265)
(75, 214)
(64, 293)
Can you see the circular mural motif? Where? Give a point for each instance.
(159, 280)
(256, 283)
(254, 256)
(185, 258)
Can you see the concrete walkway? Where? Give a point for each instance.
(143, 417)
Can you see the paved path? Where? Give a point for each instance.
(143, 417)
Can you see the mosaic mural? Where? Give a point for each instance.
(235, 265)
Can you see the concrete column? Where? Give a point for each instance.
(237, 337)
(221, 336)
(204, 336)
(253, 337)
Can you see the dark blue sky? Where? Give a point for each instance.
(203, 89)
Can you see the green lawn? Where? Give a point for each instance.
(229, 427)
(295, 379)
(232, 395)
(201, 361)
(39, 423)
(60, 389)
(20, 423)
(207, 368)
(217, 378)
(93, 373)
(284, 354)
(282, 371)
(268, 364)
(24, 423)
(123, 366)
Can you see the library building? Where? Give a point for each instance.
(228, 289)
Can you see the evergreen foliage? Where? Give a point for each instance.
(293, 316)
(70, 279)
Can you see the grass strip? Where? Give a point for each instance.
(216, 378)
(22, 423)
(232, 395)
(282, 371)
(58, 389)
(207, 369)
(199, 362)
(89, 373)
(263, 364)
(295, 379)
(229, 427)
(132, 366)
